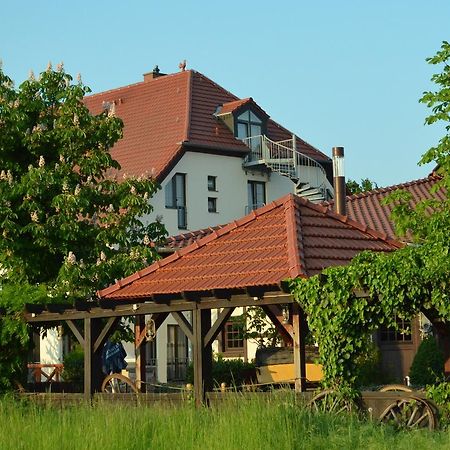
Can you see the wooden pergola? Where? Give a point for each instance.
(240, 265)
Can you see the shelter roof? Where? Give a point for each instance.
(168, 115)
(368, 207)
(289, 238)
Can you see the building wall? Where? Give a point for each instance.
(231, 191)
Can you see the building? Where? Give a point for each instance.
(216, 157)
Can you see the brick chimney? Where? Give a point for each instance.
(155, 73)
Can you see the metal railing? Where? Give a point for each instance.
(282, 157)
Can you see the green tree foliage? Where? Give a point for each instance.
(68, 226)
(403, 283)
(353, 187)
(428, 364)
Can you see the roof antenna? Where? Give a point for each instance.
(182, 65)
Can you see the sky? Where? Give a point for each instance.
(347, 73)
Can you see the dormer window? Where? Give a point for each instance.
(248, 124)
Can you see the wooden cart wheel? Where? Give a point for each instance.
(117, 383)
(410, 413)
(330, 401)
(395, 388)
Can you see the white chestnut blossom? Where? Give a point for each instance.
(34, 216)
(133, 190)
(77, 190)
(146, 240)
(60, 67)
(71, 258)
(41, 161)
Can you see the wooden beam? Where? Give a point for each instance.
(270, 298)
(108, 329)
(76, 332)
(184, 324)
(237, 301)
(275, 314)
(139, 351)
(92, 360)
(213, 332)
(202, 356)
(299, 328)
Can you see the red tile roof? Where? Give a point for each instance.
(183, 240)
(367, 207)
(288, 238)
(165, 116)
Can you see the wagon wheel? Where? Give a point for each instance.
(117, 383)
(410, 413)
(395, 388)
(330, 401)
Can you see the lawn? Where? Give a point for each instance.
(239, 424)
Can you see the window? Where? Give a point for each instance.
(400, 334)
(177, 353)
(212, 186)
(233, 342)
(212, 204)
(256, 191)
(175, 192)
(249, 125)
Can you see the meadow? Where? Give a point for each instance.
(239, 424)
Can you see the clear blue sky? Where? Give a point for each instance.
(337, 73)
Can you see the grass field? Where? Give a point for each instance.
(255, 424)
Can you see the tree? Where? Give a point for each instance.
(353, 187)
(402, 283)
(68, 226)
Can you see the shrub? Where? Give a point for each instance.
(233, 372)
(74, 367)
(428, 364)
(368, 367)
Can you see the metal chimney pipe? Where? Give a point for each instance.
(339, 181)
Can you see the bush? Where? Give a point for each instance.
(428, 364)
(368, 367)
(74, 367)
(233, 372)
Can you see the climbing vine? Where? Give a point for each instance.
(345, 305)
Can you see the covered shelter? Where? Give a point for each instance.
(244, 263)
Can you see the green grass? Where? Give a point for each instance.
(239, 424)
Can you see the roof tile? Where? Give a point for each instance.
(290, 237)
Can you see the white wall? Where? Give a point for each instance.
(231, 191)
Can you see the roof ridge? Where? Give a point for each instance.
(137, 83)
(347, 221)
(215, 84)
(188, 107)
(191, 247)
(295, 253)
(383, 190)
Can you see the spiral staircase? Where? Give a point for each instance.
(308, 175)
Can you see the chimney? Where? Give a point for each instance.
(339, 181)
(155, 73)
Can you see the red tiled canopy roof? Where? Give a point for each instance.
(367, 207)
(288, 238)
(165, 116)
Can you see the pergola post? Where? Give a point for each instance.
(139, 348)
(298, 337)
(202, 355)
(92, 358)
